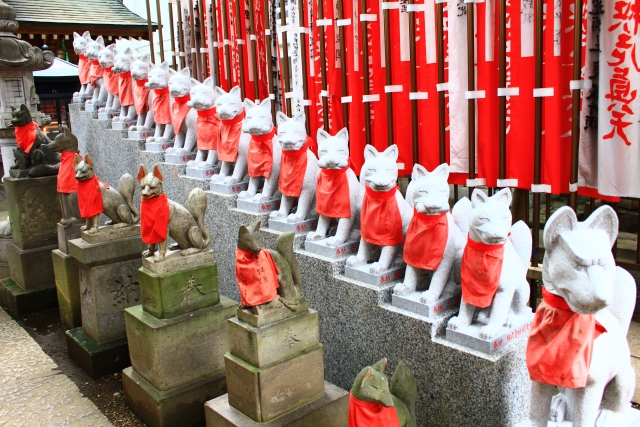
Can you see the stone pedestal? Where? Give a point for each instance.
(362, 273)
(258, 207)
(443, 306)
(470, 335)
(67, 277)
(136, 134)
(219, 187)
(179, 159)
(95, 107)
(294, 227)
(34, 209)
(320, 247)
(275, 369)
(108, 270)
(122, 125)
(177, 340)
(4, 261)
(108, 116)
(202, 173)
(156, 146)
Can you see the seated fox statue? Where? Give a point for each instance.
(374, 402)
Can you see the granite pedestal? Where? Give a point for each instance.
(179, 159)
(219, 187)
(67, 277)
(295, 227)
(136, 134)
(108, 264)
(34, 209)
(123, 125)
(95, 107)
(156, 146)
(202, 173)
(362, 273)
(320, 247)
(108, 116)
(259, 207)
(177, 340)
(469, 336)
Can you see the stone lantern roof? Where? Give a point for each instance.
(16, 53)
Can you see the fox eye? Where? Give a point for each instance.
(341, 151)
(263, 117)
(484, 220)
(425, 192)
(506, 218)
(371, 171)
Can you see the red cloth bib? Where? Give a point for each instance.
(230, 131)
(560, 343)
(332, 193)
(89, 197)
(257, 277)
(260, 158)
(293, 166)
(26, 136)
(67, 182)
(110, 81)
(84, 70)
(208, 129)
(426, 240)
(371, 414)
(179, 111)
(124, 89)
(154, 219)
(480, 275)
(161, 106)
(95, 72)
(380, 220)
(141, 96)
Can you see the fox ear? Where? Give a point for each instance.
(76, 36)
(208, 82)
(321, 136)
(503, 196)
(100, 41)
(370, 152)
(564, 219)
(343, 134)
(87, 160)
(478, 197)
(165, 66)
(266, 103)
(604, 218)
(235, 91)
(392, 152)
(219, 91)
(142, 172)
(86, 35)
(442, 171)
(300, 117)
(186, 71)
(146, 58)
(255, 226)
(419, 171)
(194, 82)
(367, 374)
(76, 159)
(156, 172)
(249, 104)
(281, 118)
(380, 365)
(66, 130)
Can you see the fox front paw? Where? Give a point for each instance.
(92, 231)
(456, 323)
(314, 236)
(402, 289)
(354, 261)
(293, 218)
(276, 215)
(244, 195)
(558, 408)
(230, 180)
(375, 268)
(489, 332)
(333, 241)
(427, 297)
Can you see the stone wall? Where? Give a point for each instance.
(358, 326)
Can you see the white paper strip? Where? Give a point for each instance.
(526, 28)
(324, 93)
(343, 22)
(203, 50)
(307, 102)
(418, 95)
(388, 5)
(368, 17)
(509, 182)
(474, 94)
(302, 30)
(194, 50)
(289, 95)
(240, 41)
(346, 99)
(573, 187)
(272, 96)
(177, 53)
(172, 53)
(253, 37)
(430, 44)
(441, 87)
(580, 84)
(215, 44)
(540, 188)
(489, 29)
(370, 98)
(441, 1)
(474, 1)
(393, 88)
(283, 29)
(227, 42)
(183, 54)
(542, 92)
(324, 22)
(416, 8)
(508, 91)
(476, 182)
(267, 32)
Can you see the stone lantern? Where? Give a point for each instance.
(18, 61)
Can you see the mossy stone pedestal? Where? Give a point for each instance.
(67, 277)
(177, 340)
(34, 210)
(108, 280)
(275, 374)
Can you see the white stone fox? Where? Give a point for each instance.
(122, 64)
(93, 49)
(185, 140)
(258, 122)
(579, 267)
(228, 107)
(490, 224)
(106, 57)
(203, 97)
(428, 193)
(80, 48)
(333, 152)
(292, 135)
(140, 72)
(159, 79)
(380, 174)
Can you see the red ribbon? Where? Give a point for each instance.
(257, 277)
(66, 174)
(426, 240)
(207, 129)
(154, 219)
(260, 158)
(480, 273)
(26, 136)
(89, 197)
(293, 166)
(381, 223)
(161, 106)
(125, 91)
(179, 111)
(332, 193)
(371, 414)
(230, 131)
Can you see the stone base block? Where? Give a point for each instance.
(219, 187)
(134, 134)
(5, 271)
(171, 353)
(25, 302)
(295, 227)
(319, 247)
(246, 314)
(67, 277)
(156, 146)
(180, 407)
(80, 99)
(122, 125)
(266, 393)
(470, 336)
(258, 207)
(412, 303)
(97, 360)
(31, 268)
(109, 233)
(67, 233)
(108, 251)
(178, 158)
(202, 173)
(108, 116)
(4, 244)
(362, 274)
(95, 107)
(331, 410)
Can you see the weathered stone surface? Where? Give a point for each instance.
(174, 260)
(105, 291)
(97, 360)
(34, 209)
(263, 394)
(31, 268)
(175, 408)
(443, 306)
(184, 291)
(331, 410)
(469, 336)
(25, 302)
(67, 233)
(67, 278)
(109, 233)
(3, 249)
(275, 342)
(182, 350)
(247, 316)
(103, 253)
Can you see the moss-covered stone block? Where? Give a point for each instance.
(67, 276)
(31, 268)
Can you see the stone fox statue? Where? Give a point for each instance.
(376, 403)
(163, 218)
(33, 153)
(96, 197)
(267, 279)
(66, 144)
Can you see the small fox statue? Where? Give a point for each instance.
(267, 279)
(80, 48)
(106, 57)
(158, 82)
(122, 69)
(142, 98)
(203, 100)
(183, 117)
(374, 402)
(95, 71)
(232, 115)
